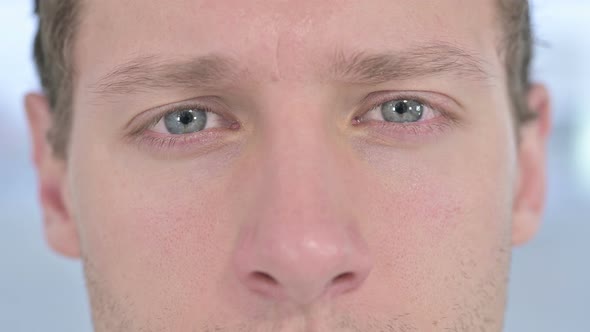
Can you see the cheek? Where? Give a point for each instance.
(462, 183)
(438, 192)
(141, 228)
(439, 223)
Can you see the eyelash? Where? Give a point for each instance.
(441, 120)
(401, 130)
(166, 143)
(145, 137)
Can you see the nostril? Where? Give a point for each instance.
(343, 278)
(264, 278)
(343, 283)
(264, 284)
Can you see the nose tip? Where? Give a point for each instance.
(304, 291)
(304, 274)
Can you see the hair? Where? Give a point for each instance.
(58, 22)
(52, 53)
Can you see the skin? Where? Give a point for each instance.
(299, 218)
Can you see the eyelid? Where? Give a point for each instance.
(213, 121)
(441, 104)
(148, 119)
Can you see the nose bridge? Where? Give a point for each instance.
(301, 137)
(300, 165)
(300, 189)
(300, 239)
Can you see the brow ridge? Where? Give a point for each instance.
(434, 59)
(153, 72)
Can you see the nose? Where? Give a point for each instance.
(300, 241)
(283, 263)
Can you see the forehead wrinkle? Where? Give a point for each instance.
(363, 67)
(152, 72)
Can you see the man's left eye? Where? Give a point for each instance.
(400, 111)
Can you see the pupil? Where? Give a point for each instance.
(401, 107)
(186, 118)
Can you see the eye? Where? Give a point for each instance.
(188, 121)
(400, 111)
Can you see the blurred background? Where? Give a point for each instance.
(550, 281)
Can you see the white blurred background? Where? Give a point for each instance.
(550, 282)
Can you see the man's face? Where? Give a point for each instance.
(292, 165)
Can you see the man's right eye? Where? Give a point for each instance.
(188, 121)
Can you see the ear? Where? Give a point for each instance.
(532, 170)
(60, 230)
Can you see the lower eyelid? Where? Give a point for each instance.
(394, 133)
(166, 142)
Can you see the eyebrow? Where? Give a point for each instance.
(427, 60)
(147, 73)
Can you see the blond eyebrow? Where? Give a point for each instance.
(147, 73)
(152, 72)
(429, 60)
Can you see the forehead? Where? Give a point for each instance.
(287, 36)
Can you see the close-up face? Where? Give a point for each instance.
(292, 165)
